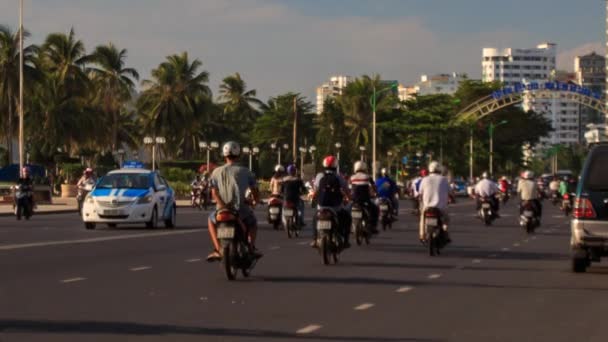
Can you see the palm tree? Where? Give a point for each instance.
(113, 84)
(64, 57)
(171, 101)
(9, 79)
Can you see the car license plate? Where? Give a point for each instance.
(431, 221)
(225, 232)
(274, 210)
(528, 213)
(324, 225)
(486, 205)
(384, 207)
(112, 212)
(357, 214)
(287, 212)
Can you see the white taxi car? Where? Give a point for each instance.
(130, 195)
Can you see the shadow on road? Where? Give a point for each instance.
(123, 328)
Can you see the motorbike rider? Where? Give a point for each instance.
(27, 186)
(488, 189)
(503, 185)
(228, 186)
(293, 189)
(362, 190)
(554, 185)
(197, 188)
(387, 188)
(276, 180)
(87, 178)
(434, 191)
(528, 191)
(331, 193)
(415, 189)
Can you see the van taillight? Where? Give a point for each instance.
(583, 208)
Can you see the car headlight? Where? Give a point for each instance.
(145, 200)
(89, 199)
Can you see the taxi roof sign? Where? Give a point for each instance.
(133, 164)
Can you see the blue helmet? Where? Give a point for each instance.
(291, 169)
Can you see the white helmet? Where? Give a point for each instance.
(528, 174)
(231, 149)
(360, 166)
(279, 168)
(434, 167)
(484, 175)
(384, 172)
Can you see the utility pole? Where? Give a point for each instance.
(295, 128)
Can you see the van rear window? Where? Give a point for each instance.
(597, 175)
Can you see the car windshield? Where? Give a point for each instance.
(124, 181)
(597, 177)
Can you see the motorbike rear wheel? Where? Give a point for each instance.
(324, 248)
(288, 228)
(229, 254)
(358, 233)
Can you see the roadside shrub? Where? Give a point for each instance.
(182, 189)
(175, 174)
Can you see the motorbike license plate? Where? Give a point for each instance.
(528, 213)
(431, 221)
(324, 225)
(566, 203)
(113, 212)
(225, 233)
(274, 210)
(384, 207)
(486, 205)
(287, 212)
(357, 214)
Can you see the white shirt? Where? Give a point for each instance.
(434, 191)
(486, 188)
(527, 190)
(554, 185)
(413, 186)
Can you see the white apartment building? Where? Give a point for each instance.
(332, 88)
(406, 93)
(439, 84)
(510, 66)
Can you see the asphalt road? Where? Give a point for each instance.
(59, 282)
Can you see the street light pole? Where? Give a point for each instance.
(491, 129)
(338, 146)
(374, 165)
(302, 155)
(21, 164)
(471, 156)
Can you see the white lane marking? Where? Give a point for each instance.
(558, 216)
(303, 243)
(516, 244)
(140, 268)
(309, 329)
(404, 289)
(100, 239)
(434, 276)
(273, 248)
(364, 306)
(526, 240)
(506, 215)
(505, 249)
(476, 261)
(459, 267)
(72, 280)
(192, 260)
(533, 238)
(493, 255)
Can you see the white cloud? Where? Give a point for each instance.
(274, 47)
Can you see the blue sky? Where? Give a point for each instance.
(294, 45)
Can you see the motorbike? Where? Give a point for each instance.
(360, 224)
(23, 202)
(82, 195)
(291, 219)
(236, 251)
(504, 197)
(528, 218)
(386, 213)
(486, 213)
(416, 206)
(195, 197)
(329, 240)
(275, 204)
(435, 235)
(555, 198)
(566, 206)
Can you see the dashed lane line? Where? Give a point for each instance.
(140, 268)
(99, 239)
(73, 280)
(274, 248)
(516, 244)
(476, 261)
(493, 255)
(364, 306)
(434, 276)
(309, 329)
(404, 289)
(193, 260)
(505, 249)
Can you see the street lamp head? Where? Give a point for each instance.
(338, 145)
(312, 148)
(148, 140)
(362, 148)
(256, 150)
(160, 140)
(389, 153)
(302, 149)
(202, 144)
(121, 151)
(215, 144)
(273, 146)
(246, 150)
(286, 146)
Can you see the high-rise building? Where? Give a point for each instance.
(590, 72)
(510, 66)
(439, 84)
(332, 88)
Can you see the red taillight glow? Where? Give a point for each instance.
(289, 205)
(566, 196)
(583, 208)
(224, 216)
(430, 214)
(274, 201)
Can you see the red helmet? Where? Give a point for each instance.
(330, 162)
(424, 172)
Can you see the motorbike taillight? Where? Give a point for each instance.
(274, 202)
(566, 196)
(290, 205)
(431, 214)
(324, 215)
(225, 216)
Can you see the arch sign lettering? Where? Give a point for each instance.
(520, 88)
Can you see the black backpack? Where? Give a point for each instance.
(330, 191)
